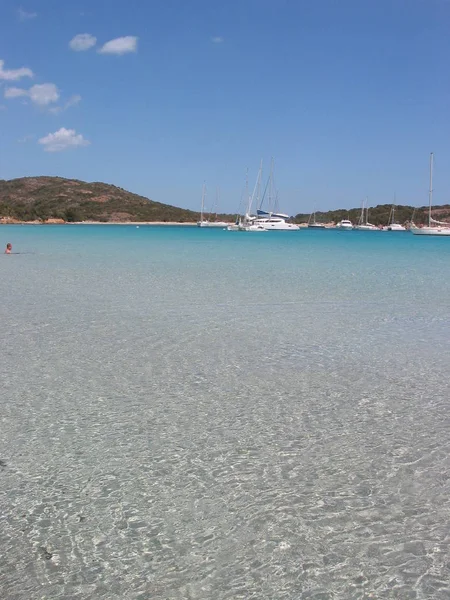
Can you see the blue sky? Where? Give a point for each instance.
(348, 96)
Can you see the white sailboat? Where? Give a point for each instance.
(392, 225)
(313, 224)
(363, 223)
(206, 222)
(434, 227)
(246, 222)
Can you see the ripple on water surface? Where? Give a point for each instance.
(207, 416)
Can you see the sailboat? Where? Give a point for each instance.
(363, 224)
(206, 222)
(434, 227)
(392, 225)
(312, 223)
(271, 219)
(247, 222)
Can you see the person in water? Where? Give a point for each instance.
(8, 248)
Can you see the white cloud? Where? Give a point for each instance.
(40, 94)
(217, 39)
(14, 92)
(121, 45)
(25, 15)
(63, 139)
(82, 41)
(72, 101)
(44, 93)
(14, 74)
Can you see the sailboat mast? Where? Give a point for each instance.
(271, 185)
(258, 192)
(430, 193)
(203, 202)
(217, 202)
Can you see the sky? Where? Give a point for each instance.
(349, 97)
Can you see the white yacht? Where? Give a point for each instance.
(434, 227)
(263, 220)
(345, 225)
(273, 221)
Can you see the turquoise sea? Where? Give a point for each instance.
(200, 414)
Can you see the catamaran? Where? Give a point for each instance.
(271, 219)
(434, 227)
(264, 220)
(206, 222)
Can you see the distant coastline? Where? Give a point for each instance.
(61, 222)
(48, 200)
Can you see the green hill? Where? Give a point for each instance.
(379, 215)
(42, 198)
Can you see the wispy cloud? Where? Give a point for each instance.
(25, 139)
(14, 92)
(82, 42)
(121, 45)
(217, 39)
(72, 101)
(14, 74)
(25, 15)
(40, 94)
(63, 139)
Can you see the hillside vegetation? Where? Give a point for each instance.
(43, 198)
(379, 215)
(71, 200)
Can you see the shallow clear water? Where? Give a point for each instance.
(205, 414)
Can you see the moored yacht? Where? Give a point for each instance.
(273, 221)
(345, 225)
(264, 220)
(434, 227)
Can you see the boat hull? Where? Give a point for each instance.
(396, 228)
(216, 224)
(441, 231)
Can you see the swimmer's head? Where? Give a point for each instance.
(9, 246)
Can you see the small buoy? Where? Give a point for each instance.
(137, 226)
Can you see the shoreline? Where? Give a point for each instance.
(169, 223)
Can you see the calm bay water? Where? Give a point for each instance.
(215, 415)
